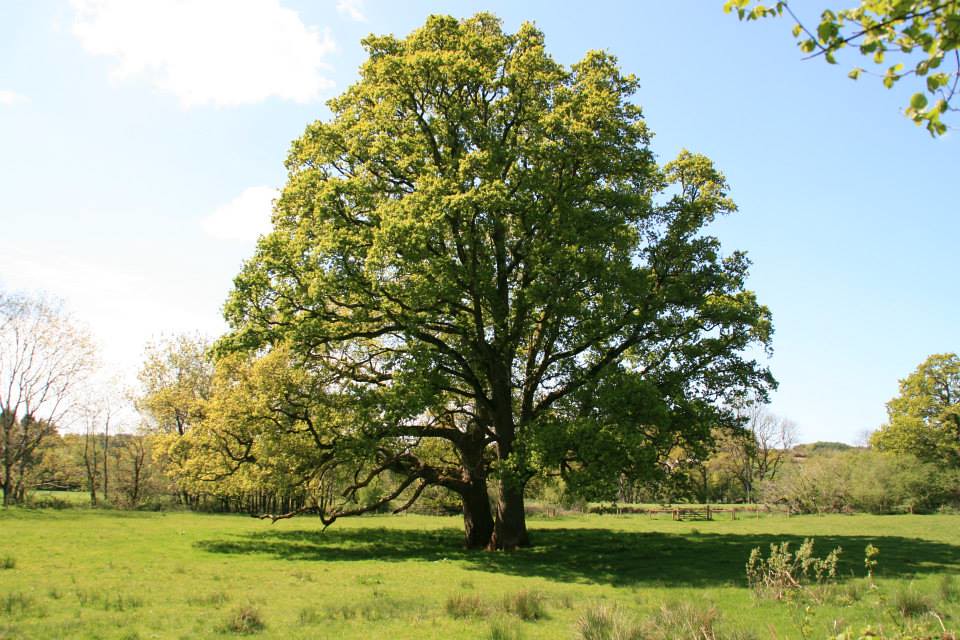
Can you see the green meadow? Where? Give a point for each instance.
(80, 573)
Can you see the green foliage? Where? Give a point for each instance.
(924, 33)
(8, 562)
(175, 378)
(862, 480)
(784, 571)
(924, 419)
(477, 240)
(870, 561)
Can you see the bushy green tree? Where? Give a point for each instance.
(924, 420)
(862, 480)
(479, 253)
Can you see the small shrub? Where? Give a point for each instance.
(785, 570)
(606, 622)
(870, 560)
(244, 620)
(48, 502)
(8, 562)
(910, 603)
(526, 605)
(463, 605)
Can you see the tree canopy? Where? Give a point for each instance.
(924, 420)
(918, 38)
(479, 270)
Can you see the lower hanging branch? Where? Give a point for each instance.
(313, 508)
(329, 519)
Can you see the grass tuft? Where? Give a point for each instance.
(245, 620)
(607, 622)
(948, 588)
(215, 599)
(378, 608)
(910, 603)
(686, 621)
(122, 603)
(308, 616)
(504, 629)
(463, 605)
(8, 562)
(526, 605)
(17, 603)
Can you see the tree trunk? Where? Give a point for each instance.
(106, 459)
(7, 486)
(477, 517)
(8, 423)
(510, 526)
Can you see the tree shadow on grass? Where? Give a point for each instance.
(598, 556)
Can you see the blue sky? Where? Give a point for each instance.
(141, 141)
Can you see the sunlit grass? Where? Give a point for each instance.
(83, 573)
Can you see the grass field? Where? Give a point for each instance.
(82, 573)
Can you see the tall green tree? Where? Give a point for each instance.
(475, 239)
(924, 420)
(914, 39)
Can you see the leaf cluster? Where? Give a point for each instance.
(924, 33)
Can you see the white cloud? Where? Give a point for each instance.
(246, 217)
(353, 9)
(219, 52)
(10, 98)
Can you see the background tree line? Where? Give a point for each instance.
(191, 409)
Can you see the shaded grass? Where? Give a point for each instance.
(603, 556)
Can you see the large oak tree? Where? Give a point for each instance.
(482, 270)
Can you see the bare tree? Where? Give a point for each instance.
(757, 453)
(132, 456)
(44, 355)
(98, 416)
